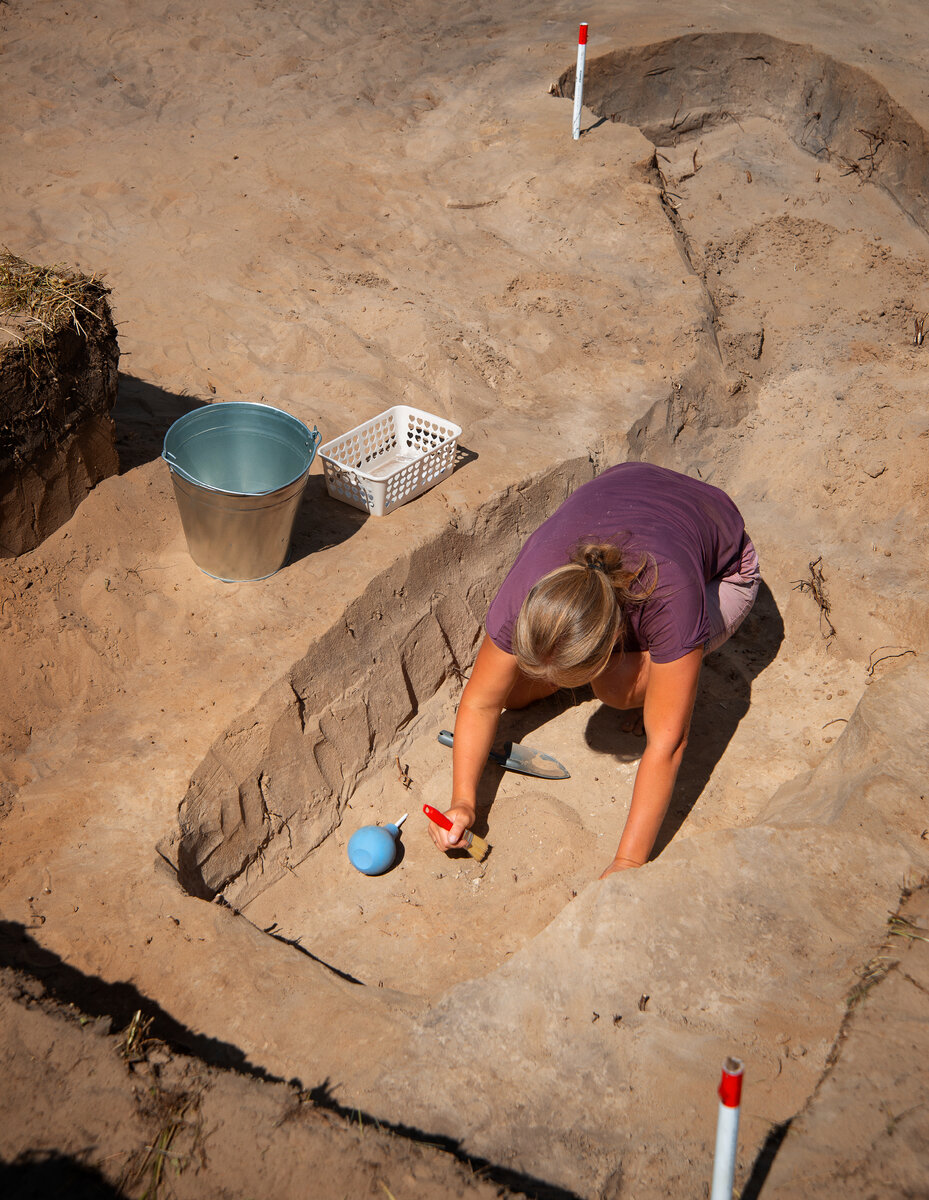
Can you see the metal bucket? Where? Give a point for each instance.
(239, 471)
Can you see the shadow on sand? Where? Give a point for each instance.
(323, 521)
(143, 413)
(37, 1175)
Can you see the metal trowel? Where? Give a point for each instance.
(514, 757)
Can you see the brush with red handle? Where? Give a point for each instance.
(469, 841)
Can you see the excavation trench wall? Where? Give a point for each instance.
(837, 112)
(276, 783)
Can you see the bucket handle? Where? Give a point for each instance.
(176, 467)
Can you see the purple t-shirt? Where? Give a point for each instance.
(693, 532)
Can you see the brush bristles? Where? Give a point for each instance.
(475, 846)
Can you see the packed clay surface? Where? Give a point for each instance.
(334, 213)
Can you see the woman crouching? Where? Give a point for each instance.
(636, 577)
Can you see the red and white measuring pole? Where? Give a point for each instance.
(579, 80)
(727, 1129)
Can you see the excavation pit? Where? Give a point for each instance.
(434, 921)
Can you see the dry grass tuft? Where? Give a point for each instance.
(154, 1162)
(36, 302)
(815, 585)
(134, 1040)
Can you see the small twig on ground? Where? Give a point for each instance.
(404, 774)
(695, 167)
(919, 329)
(873, 664)
(870, 974)
(284, 824)
(675, 123)
(875, 141)
(664, 195)
(456, 673)
(815, 585)
(893, 1120)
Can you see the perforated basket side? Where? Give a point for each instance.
(348, 460)
(354, 489)
(360, 466)
(361, 448)
(436, 462)
(425, 432)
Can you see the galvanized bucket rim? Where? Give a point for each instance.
(314, 437)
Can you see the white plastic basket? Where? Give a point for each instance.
(390, 459)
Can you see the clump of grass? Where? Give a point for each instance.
(171, 1113)
(36, 302)
(159, 1154)
(901, 927)
(151, 1165)
(134, 1039)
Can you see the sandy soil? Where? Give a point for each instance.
(338, 212)
(170, 1125)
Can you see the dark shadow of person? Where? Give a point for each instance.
(723, 699)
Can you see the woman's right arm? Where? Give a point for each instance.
(483, 699)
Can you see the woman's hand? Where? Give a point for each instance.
(462, 818)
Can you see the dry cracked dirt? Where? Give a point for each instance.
(337, 211)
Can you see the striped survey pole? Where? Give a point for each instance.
(727, 1129)
(579, 80)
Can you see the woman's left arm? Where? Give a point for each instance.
(669, 704)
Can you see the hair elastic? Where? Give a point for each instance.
(596, 566)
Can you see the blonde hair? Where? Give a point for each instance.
(574, 618)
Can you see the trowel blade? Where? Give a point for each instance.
(516, 757)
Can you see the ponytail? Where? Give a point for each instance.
(574, 618)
